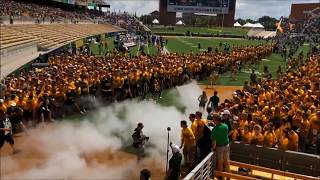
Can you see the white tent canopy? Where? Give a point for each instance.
(248, 25)
(237, 24)
(155, 21)
(258, 25)
(180, 23)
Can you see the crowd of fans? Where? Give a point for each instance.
(312, 31)
(70, 81)
(282, 113)
(45, 13)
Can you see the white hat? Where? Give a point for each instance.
(226, 112)
(1, 101)
(234, 93)
(175, 148)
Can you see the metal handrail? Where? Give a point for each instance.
(204, 169)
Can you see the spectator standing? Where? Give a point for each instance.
(214, 101)
(203, 99)
(220, 143)
(253, 77)
(226, 118)
(188, 143)
(199, 136)
(11, 19)
(174, 163)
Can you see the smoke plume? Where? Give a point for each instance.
(98, 145)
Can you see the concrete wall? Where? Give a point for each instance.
(14, 57)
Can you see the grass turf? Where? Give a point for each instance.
(208, 30)
(151, 49)
(188, 44)
(272, 62)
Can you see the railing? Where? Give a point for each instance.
(272, 171)
(204, 170)
(287, 161)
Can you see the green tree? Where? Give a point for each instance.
(146, 19)
(268, 22)
(241, 21)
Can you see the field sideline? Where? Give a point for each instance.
(208, 30)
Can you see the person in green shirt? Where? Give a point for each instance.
(220, 143)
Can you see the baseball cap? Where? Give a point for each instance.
(226, 112)
(175, 148)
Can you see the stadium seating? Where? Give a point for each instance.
(50, 36)
(11, 37)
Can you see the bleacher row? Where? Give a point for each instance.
(49, 36)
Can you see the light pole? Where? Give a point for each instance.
(168, 129)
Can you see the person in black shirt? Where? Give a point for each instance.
(6, 131)
(139, 140)
(253, 77)
(213, 102)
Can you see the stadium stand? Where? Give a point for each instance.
(12, 37)
(50, 36)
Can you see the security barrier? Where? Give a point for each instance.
(204, 170)
(288, 161)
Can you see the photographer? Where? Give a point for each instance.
(139, 139)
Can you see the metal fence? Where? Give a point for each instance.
(288, 161)
(204, 170)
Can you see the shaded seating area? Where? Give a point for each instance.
(11, 37)
(50, 36)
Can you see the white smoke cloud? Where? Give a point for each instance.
(93, 147)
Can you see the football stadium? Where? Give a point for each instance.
(183, 89)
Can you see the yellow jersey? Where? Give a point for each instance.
(187, 137)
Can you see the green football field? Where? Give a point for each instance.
(151, 50)
(180, 44)
(207, 30)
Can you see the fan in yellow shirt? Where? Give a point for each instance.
(188, 142)
(257, 136)
(314, 120)
(283, 140)
(293, 138)
(192, 118)
(269, 137)
(247, 135)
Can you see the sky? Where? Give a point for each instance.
(252, 9)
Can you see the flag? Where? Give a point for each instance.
(278, 24)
